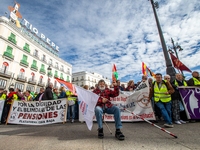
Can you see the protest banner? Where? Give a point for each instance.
(191, 101)
(136, 102)
(38, 113)
(2, 101)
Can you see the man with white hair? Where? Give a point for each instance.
(176, 98)
(144, 78)
(104, 106)
(48, 93)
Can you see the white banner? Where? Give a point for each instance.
(2, 101)
(87, 102)
(38, 113)
(136, 101)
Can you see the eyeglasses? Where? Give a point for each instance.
(167, 78)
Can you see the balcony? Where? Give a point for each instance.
(44, 59)
(21, 78)
(5, 73)
(32, 81)
(24, 63)
(8, 56)
(36, 55)
(42, 71)
(41, 83)
(34, 68)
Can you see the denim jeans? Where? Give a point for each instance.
(165, 109)
(71, 108)
(110, 110)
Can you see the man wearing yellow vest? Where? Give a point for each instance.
(28, 96)
(71, 105)
(195, 80)
(176, 98)
(11, 97)
(161, 90)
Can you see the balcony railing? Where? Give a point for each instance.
(5, 72)
(31, 80)
(41, 83)
(21, 77)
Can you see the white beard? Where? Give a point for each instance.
(102, 88)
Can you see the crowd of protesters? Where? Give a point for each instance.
(164, 96)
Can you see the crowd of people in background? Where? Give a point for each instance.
(164, 96)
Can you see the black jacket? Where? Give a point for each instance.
(48, 94)
(176, 95)
(37, 97)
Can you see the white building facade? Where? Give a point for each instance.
(24, 59)
(86, 78)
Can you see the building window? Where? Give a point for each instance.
(19, 86)
(62, 68)
(5, 67)
(77, 79)
(41, 79)
(88, 78)
(56, 74)
(38, 89)
(56, 65)
(12, 38)
(30, 88)
(36, 53)
(43, 58)
(21, 74)
(3, 83)
(32, 76)
(34, 65)
(68, 79)
(26, 47)
(73, 80)
(61, 76)
(24, 60)
(68, 71)
(42, 69)
(8, 52)
(50, 61)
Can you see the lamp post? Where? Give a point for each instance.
(174, 48)
(170, 69)
(49, 71)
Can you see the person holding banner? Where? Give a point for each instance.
(104, 106)
(162, 90)
(11, 97)
(71, 105)
(176, 98)
(195, 80)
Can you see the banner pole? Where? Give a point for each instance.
(152, 124)
(65, 111)
(9, 113)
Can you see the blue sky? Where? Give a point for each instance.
(92, 35)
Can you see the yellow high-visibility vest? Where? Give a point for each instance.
(176, 83)
(160, 94)
(196, 81)
(15, 99)
(27, 99)
(3, 96)
(68, 93)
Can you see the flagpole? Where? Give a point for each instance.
(170, 69)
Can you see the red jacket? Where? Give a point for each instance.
(107, 93)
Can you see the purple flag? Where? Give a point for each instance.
(191, 100)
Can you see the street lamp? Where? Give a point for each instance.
(170, 69)
(49, 71)
(174, 49)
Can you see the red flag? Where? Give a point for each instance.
(178, 64)
(68, 86)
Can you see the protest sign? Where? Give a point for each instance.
(87, 102)
(1, 106)
(191, 101)
(135, 101)
(38, 113)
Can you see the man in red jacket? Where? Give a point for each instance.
(104, 106)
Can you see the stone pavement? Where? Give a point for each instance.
(139, 136)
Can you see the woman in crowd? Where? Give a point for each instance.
(131, 86)
(62, 92)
